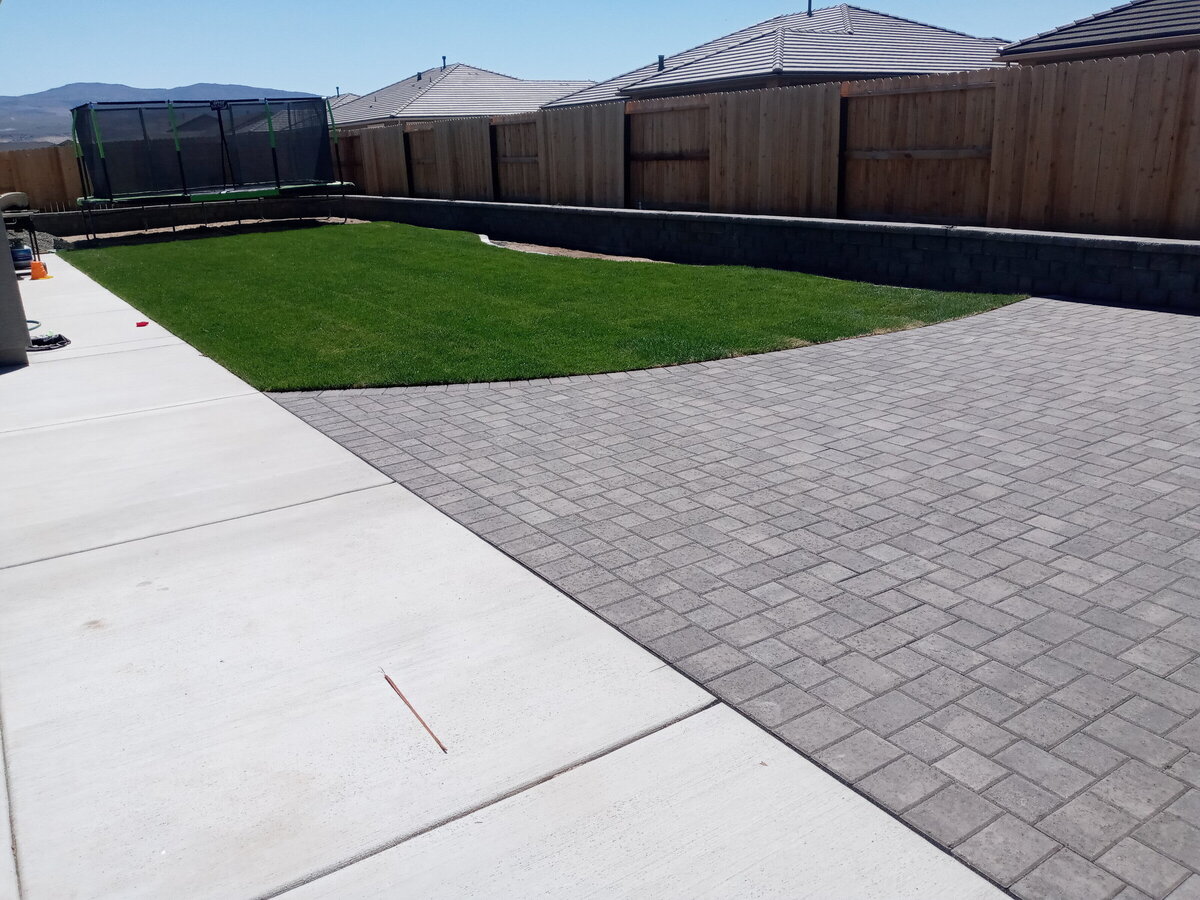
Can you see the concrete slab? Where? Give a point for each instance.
(710, 807)
(113, 331)
(95, 387)
(9, 888)
(100, 482)
(69, 292)
(202, 714)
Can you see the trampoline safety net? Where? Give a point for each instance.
(197, 150)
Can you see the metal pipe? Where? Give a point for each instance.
(183, 185)
(274, 151)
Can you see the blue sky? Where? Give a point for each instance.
(360, 45)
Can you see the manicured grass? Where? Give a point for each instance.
(384, 304)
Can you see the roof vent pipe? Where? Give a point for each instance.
(662, 62)
(443, 62)
(810, 9)
(418, 76)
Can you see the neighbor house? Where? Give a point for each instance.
(341, 100)
(839, 43)
(1144, 26)
(450, 92)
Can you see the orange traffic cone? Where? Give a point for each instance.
(37, 271)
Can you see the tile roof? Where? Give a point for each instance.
(835, 41)
(1142, 20)
(341, 100)
(456, 90)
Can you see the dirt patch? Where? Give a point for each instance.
(542, 250)
(191, 232)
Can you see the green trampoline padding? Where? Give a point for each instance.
(212, 196)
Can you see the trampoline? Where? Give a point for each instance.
(205, 150)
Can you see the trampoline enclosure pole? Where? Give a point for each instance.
(225, 158)
(337, 149)
(100, 149)
(178, 150)
(274, 151)
(84, 181)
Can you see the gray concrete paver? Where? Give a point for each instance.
(970, 548)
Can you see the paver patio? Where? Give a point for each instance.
(199, 598)
(957, 566)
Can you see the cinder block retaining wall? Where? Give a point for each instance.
(1141, 271)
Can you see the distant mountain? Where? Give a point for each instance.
(46, 115)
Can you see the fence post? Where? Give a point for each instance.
(14, 334)
(406, 147)
(627, 151)
(496, 161)
(843, 130)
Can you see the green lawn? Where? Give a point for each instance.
(383, 304)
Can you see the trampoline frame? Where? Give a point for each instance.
(231, 189)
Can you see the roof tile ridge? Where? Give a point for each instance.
(420, 90)
(489, 71)
(1083, 21)
(700, 59)
(679, 53)
(851, 7)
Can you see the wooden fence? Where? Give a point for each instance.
(49, 175)
(1110, 146)
(516, 155)
(1105, 146)
(775, 152)
(919, 148)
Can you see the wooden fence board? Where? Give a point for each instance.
(422, 160)
(774, 151)
(517, 158)
(919, 148)
(1184, 206)
(669, 153)
(384, 166)
(1101, 146)
(49, 175)
(349, 159)
(1109, 206)
(1151, 85)
(584, 155)
(464, 159)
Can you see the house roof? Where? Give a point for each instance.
(836, 41)
(456, 90)
(341, 100)
(1142, 20)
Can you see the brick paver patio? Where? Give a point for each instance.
(959, 567)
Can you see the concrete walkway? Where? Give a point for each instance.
(198, 593)
(958, 566)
